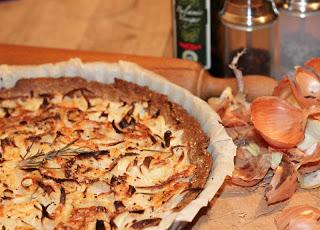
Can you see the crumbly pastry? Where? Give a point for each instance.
(86, 155)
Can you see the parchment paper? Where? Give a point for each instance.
(221, 146)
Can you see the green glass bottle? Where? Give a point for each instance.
(192, 30)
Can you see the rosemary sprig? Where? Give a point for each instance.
(36, 160)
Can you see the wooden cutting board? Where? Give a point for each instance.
(233, 207)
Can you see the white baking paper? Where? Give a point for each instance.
(221, 146)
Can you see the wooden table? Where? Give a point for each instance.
(142, 27)
(135, 27)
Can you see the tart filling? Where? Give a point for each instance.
(85, 155)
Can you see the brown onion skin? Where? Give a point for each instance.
(314, 64)
(279, 123)
(283, 184)
(293, 217)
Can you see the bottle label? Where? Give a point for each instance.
(192, 30)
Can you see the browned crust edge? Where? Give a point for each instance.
(128, 92)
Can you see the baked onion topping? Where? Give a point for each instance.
(83, 162)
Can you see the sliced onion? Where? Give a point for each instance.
(278, 122)
(283, 184)
(98, 188)
(122, 219)
(299, 217)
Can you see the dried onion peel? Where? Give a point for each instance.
(299, 217)
(278, 122)
(307, 90)
(314, 64)
(308, 83)
(283, 184)
(249, 169)
(287, 90)
(310, 180)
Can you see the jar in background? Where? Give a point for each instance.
(250, 24)
(299, 33)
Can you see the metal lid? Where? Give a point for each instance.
(302, 6)
(246, 14)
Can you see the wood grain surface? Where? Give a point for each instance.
(141, 27)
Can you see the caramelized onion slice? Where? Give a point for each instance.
(278, 122)
(146, 223)
(283, 184)
(299, 217)
(98, 187)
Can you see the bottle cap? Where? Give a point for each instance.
(248, 14)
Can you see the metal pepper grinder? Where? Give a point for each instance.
(250, 25)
